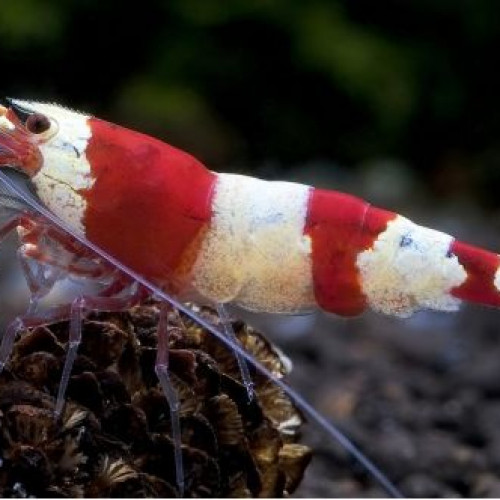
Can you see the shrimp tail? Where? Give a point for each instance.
(366, 257)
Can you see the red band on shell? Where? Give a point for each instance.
(341, 226)
(149, 201)
(481, 267)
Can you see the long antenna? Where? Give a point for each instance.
(332, 430)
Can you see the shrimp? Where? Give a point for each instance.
(276, 247)
(136, 210)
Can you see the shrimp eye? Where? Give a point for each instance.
(37, 123)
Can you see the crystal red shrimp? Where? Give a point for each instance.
(223, 238)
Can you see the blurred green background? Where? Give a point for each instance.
(263, 86)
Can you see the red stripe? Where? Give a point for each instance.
(341, 226)
(150, 201)
(481, 267)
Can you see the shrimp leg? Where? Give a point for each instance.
(161, 369)
(9, 226)
(242, 364)
(79, 307)
(8, 338)
(40, 279)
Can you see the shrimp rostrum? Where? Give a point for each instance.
(217, 238)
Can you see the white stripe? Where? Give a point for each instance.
(497, 279)
(409, 268)
(255, 253)
(66, 169)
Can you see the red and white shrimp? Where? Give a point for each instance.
(223, 238)
(219, 238)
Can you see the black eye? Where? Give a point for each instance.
(37, 123)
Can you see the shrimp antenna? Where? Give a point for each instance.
(10, 189)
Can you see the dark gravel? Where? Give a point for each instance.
(421, 397)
